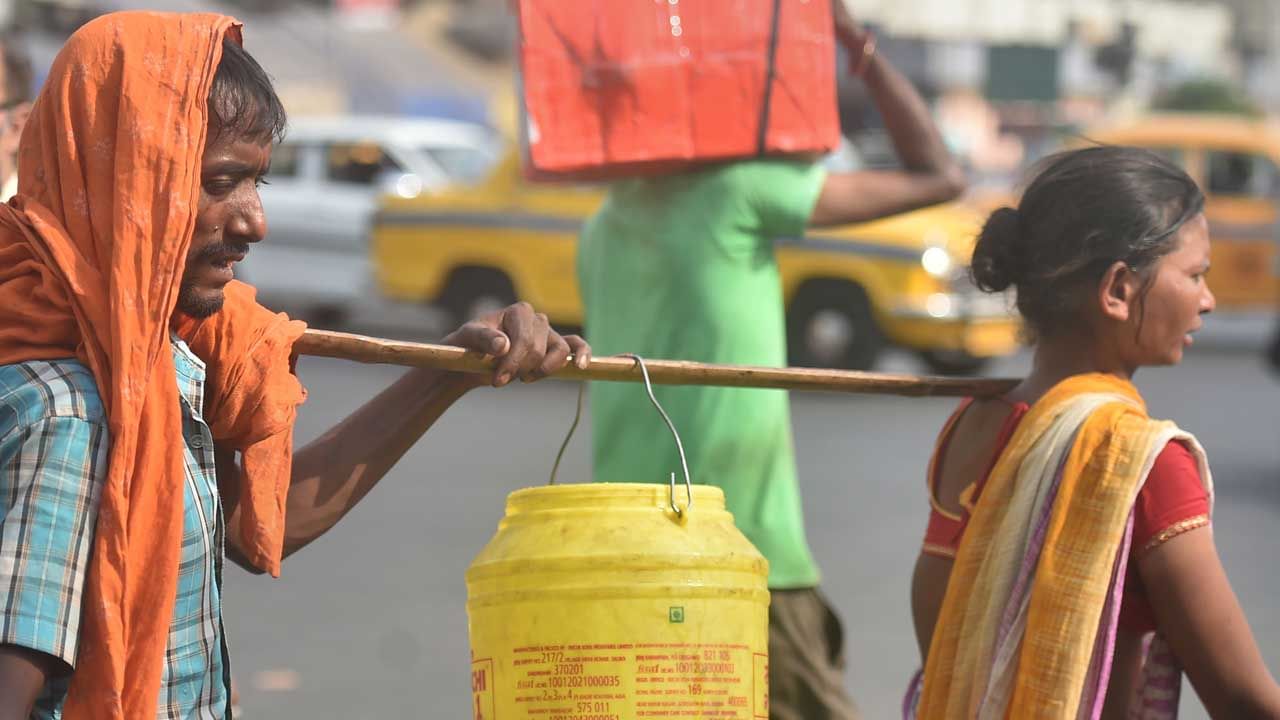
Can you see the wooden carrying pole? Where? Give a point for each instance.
(325, 343)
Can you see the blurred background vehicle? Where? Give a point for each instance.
(321, 192)
(850, 292)
(1236, 161)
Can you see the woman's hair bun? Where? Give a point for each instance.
(995, 266)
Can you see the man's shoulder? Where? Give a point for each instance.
(35, 390)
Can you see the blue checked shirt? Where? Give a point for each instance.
(53, 461)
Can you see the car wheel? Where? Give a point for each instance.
(953, 362)
(473, 292)
(830, 324)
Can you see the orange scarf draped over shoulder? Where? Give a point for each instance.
(92, 253)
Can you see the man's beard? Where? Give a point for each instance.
(190, 301)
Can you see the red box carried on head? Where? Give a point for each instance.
(631, 87)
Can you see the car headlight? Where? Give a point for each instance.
(937, 262)
(409, 186)
(939, 305)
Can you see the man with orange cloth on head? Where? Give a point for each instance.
(147, 401)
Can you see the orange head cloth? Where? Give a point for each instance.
(91, 258)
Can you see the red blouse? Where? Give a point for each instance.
(1172, 501)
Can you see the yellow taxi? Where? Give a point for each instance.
(849, 292)
(1234, 159)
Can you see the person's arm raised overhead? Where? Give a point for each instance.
(929, 174)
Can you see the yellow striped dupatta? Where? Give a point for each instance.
(1028, 623)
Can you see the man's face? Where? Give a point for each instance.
(228, 218)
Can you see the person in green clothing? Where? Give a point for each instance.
(682, 266)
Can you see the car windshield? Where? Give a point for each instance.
(463, 164)
(1243, 175)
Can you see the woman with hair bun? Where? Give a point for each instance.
(1069, 569)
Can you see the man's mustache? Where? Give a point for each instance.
(221, 252)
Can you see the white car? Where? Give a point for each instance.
(322, 191)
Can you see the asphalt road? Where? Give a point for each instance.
(369, 622)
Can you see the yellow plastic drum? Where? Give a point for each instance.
(599, 602)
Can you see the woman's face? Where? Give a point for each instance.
(1178, 296)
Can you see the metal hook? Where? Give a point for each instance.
(684, 465)
(577, 415)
